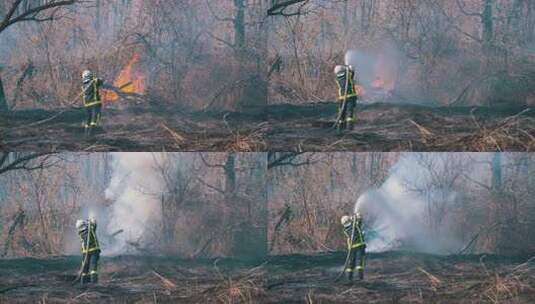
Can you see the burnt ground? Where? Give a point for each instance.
(380, 127)
(402, 127)
(393, 277)
(134, 129)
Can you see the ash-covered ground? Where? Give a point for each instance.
(402, 127)
(393, 277)
(134, 129)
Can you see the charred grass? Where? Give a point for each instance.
(392, 127)
(380, 127)
(134, 129)
(394, 277)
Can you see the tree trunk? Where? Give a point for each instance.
(497, 172)
(97, 18)
(488, 23)
(239, 25)
(530, 168)
(230, 175)
(530, 22)
(252, 48)
(3, 102)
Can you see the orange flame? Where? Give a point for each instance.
(378, 83)
(360, 90)
(384, 74)
(130, 80)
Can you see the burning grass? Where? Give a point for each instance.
(131, 80)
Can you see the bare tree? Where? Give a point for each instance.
(11, 161)
(26, 10)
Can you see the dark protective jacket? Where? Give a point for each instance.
(91, 94)
(90, 245)
(358, 235)
(342, 81)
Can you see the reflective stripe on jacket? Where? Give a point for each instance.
(358, 237)
(92, 235)
(341, 83)
(91, 94)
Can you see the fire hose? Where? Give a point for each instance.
(86, 255)
(69, 104)
(348, 256)
(344, 102)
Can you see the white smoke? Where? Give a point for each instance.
(375, 67)
(396, 216)
(135, 190)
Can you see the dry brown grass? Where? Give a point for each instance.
(514, 131)
(253, 140)
(433, 280)
(242, 288)
(506, 287)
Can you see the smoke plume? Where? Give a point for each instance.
(397, 216)
(373, 65)
(135, 190)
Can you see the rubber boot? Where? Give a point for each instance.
(87, 130)
(341, 125)
(349, 277)
(94, 278)
(84, 280)
(361, 274)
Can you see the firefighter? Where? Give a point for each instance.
(87, 230)
(92, 102)
(356, 246)
(347, 96)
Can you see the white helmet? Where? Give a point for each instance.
(345, 220)
(87, 74)
(79, 224)
(92, 221)
(339, 69)
(342, 68)
(358, 216)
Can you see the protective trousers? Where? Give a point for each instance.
(356, 262)
(90, 267)
(347, 113)
(93, 115)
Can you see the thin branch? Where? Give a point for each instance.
(31, 14)
(210, 186)
(288, 159)
(24, 162)
(279, 8)
(207, 164)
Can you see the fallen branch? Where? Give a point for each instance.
(425, 133)
(167, 283)
(179, 139)
(6, 289)
(435, 282)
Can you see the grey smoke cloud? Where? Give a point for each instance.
(398, 216)
(135, 190)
